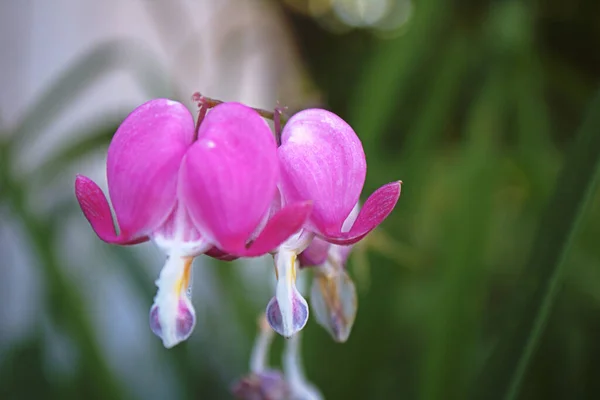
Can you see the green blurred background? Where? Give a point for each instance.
(484, 283)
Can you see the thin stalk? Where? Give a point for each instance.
(276, 114)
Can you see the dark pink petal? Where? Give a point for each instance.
(322, 159)
(279, 228)
(215, 253)
(143, 163)
(229, 176)
(95, 207)
(275, 206)
(377, 207)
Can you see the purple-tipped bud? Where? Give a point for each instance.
(266, 385)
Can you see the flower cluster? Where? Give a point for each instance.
(224, 187)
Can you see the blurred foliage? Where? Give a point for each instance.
(484, 283)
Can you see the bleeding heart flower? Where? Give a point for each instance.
(190, 196)
(322, 160)
(333, 293)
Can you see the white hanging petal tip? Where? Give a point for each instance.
(287, 312)
(289, 322)
(172, 316)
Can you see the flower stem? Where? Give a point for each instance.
(201, 114)
(259, 360)
(277, 120)
(294, 371)
(277, 115)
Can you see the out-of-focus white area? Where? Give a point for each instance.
(384, 17)
(236, 50)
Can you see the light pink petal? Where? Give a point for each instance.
(343, 252)
(143, 162)
(279, 228)
(97, 211)
(229, 176)
(377, 207)
(315, 254)
(322, 159)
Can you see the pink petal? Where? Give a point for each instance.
(143, 162)
(315, 254)
(322, 160)
(377, 207)
(279, 228)
(97, 211)
(229, 176)
(215, 253)
(343, 252)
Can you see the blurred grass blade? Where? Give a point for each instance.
(506, 369)
(76, 78)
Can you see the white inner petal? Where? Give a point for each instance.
(174, 311)
(174, 238)
(297, 243)
(285, 262)
(172, 316)
(287, 312)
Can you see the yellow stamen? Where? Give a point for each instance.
(184, 282)
(293, 264)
